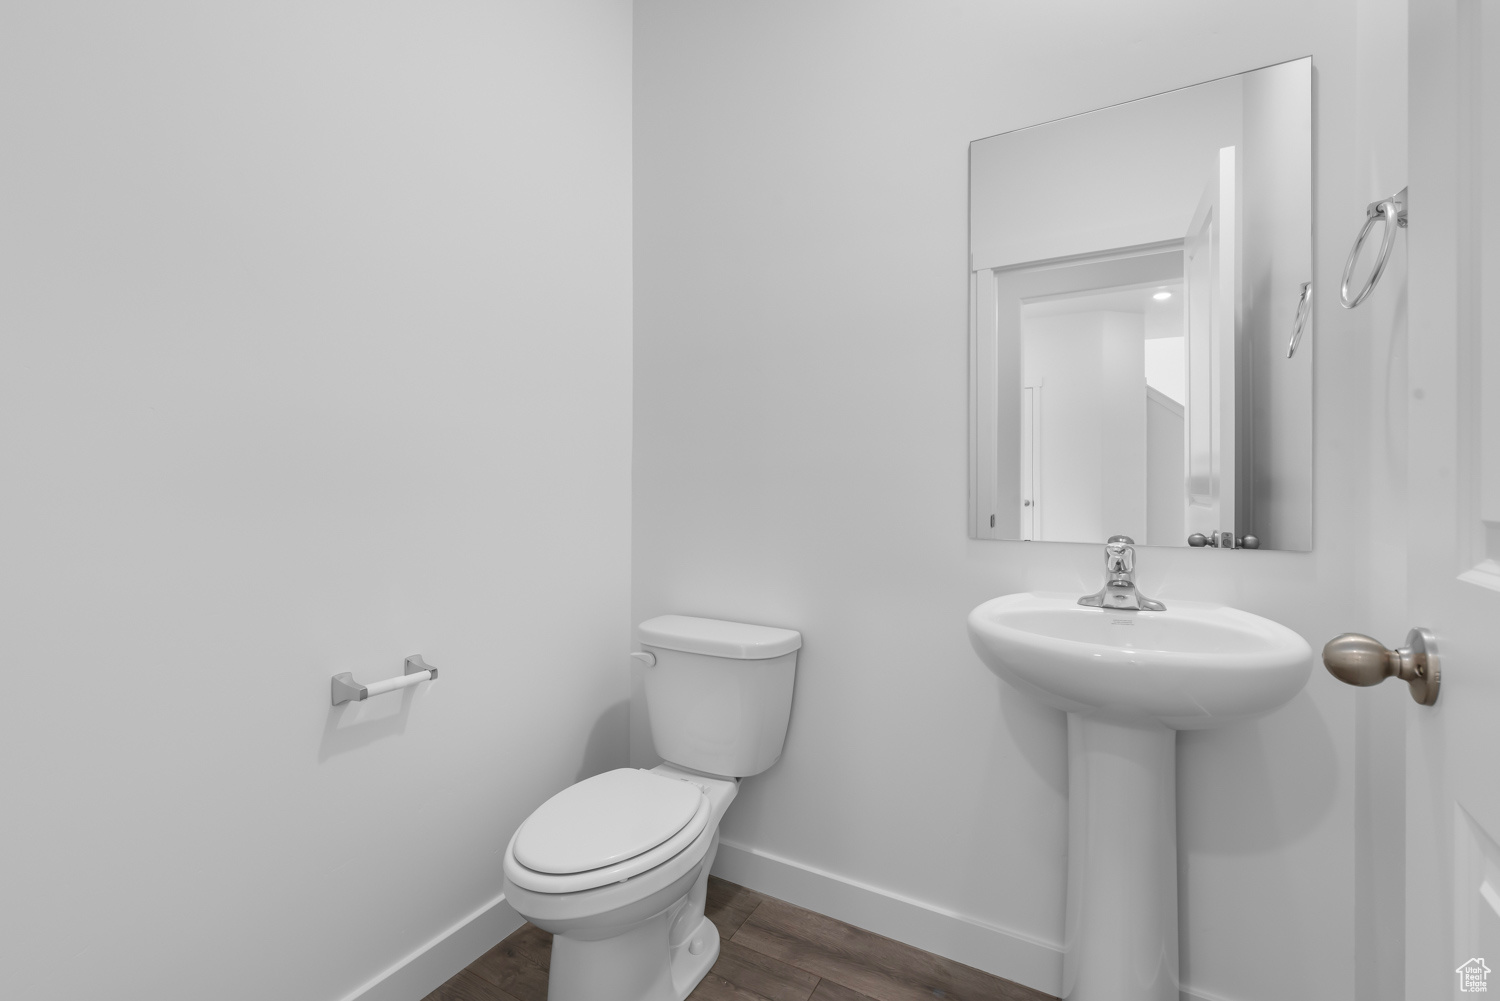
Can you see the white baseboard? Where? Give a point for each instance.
(972, 941)
(969, 940)
(960, 937)
(423, 970)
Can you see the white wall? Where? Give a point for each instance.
(1089, 367)
(1122, 446)
(1062, 356)
(1381, 130)
(314, 353)
(1166, 365)
(1166, 480)
(1277, 259)
(801, 349)
(1099, 181)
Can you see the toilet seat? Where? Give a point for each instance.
(605, 819)
(605, 830)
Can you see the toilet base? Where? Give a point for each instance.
(645, 938)
(690, 967)
(629, 967)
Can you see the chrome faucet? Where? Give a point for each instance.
(1119, 583)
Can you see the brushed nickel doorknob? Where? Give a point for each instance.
(1361, 660)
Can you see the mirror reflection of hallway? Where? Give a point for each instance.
(1092, 415)
(1103, 390)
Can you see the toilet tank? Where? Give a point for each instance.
(720, 693)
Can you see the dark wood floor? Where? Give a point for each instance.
(771, 951)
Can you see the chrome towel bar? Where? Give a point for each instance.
(1391, 211)
(345, 689)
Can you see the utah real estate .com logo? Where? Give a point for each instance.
(1472, 976)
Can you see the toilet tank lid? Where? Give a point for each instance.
(718, 638)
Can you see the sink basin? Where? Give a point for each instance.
(1190, 667)
(1129, 681)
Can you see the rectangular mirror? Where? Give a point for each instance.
(1136, 278)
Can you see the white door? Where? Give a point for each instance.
(1211, 289)
(1453, 254)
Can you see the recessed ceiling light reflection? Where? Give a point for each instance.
(1162, 296)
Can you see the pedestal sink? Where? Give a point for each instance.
(1129, 680)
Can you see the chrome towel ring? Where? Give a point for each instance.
(1392, 211)
(1304, 310)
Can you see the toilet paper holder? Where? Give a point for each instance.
(344, 688)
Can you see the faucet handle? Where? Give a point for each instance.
(1119, 584)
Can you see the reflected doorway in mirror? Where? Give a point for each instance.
(1091, 414)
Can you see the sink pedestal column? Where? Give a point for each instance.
(1121, 926)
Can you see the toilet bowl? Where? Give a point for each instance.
(635, 937)
(616, 866)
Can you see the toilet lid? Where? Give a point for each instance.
(604, 820)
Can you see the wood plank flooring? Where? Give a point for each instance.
(770, 951)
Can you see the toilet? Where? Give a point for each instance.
(616, 866)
